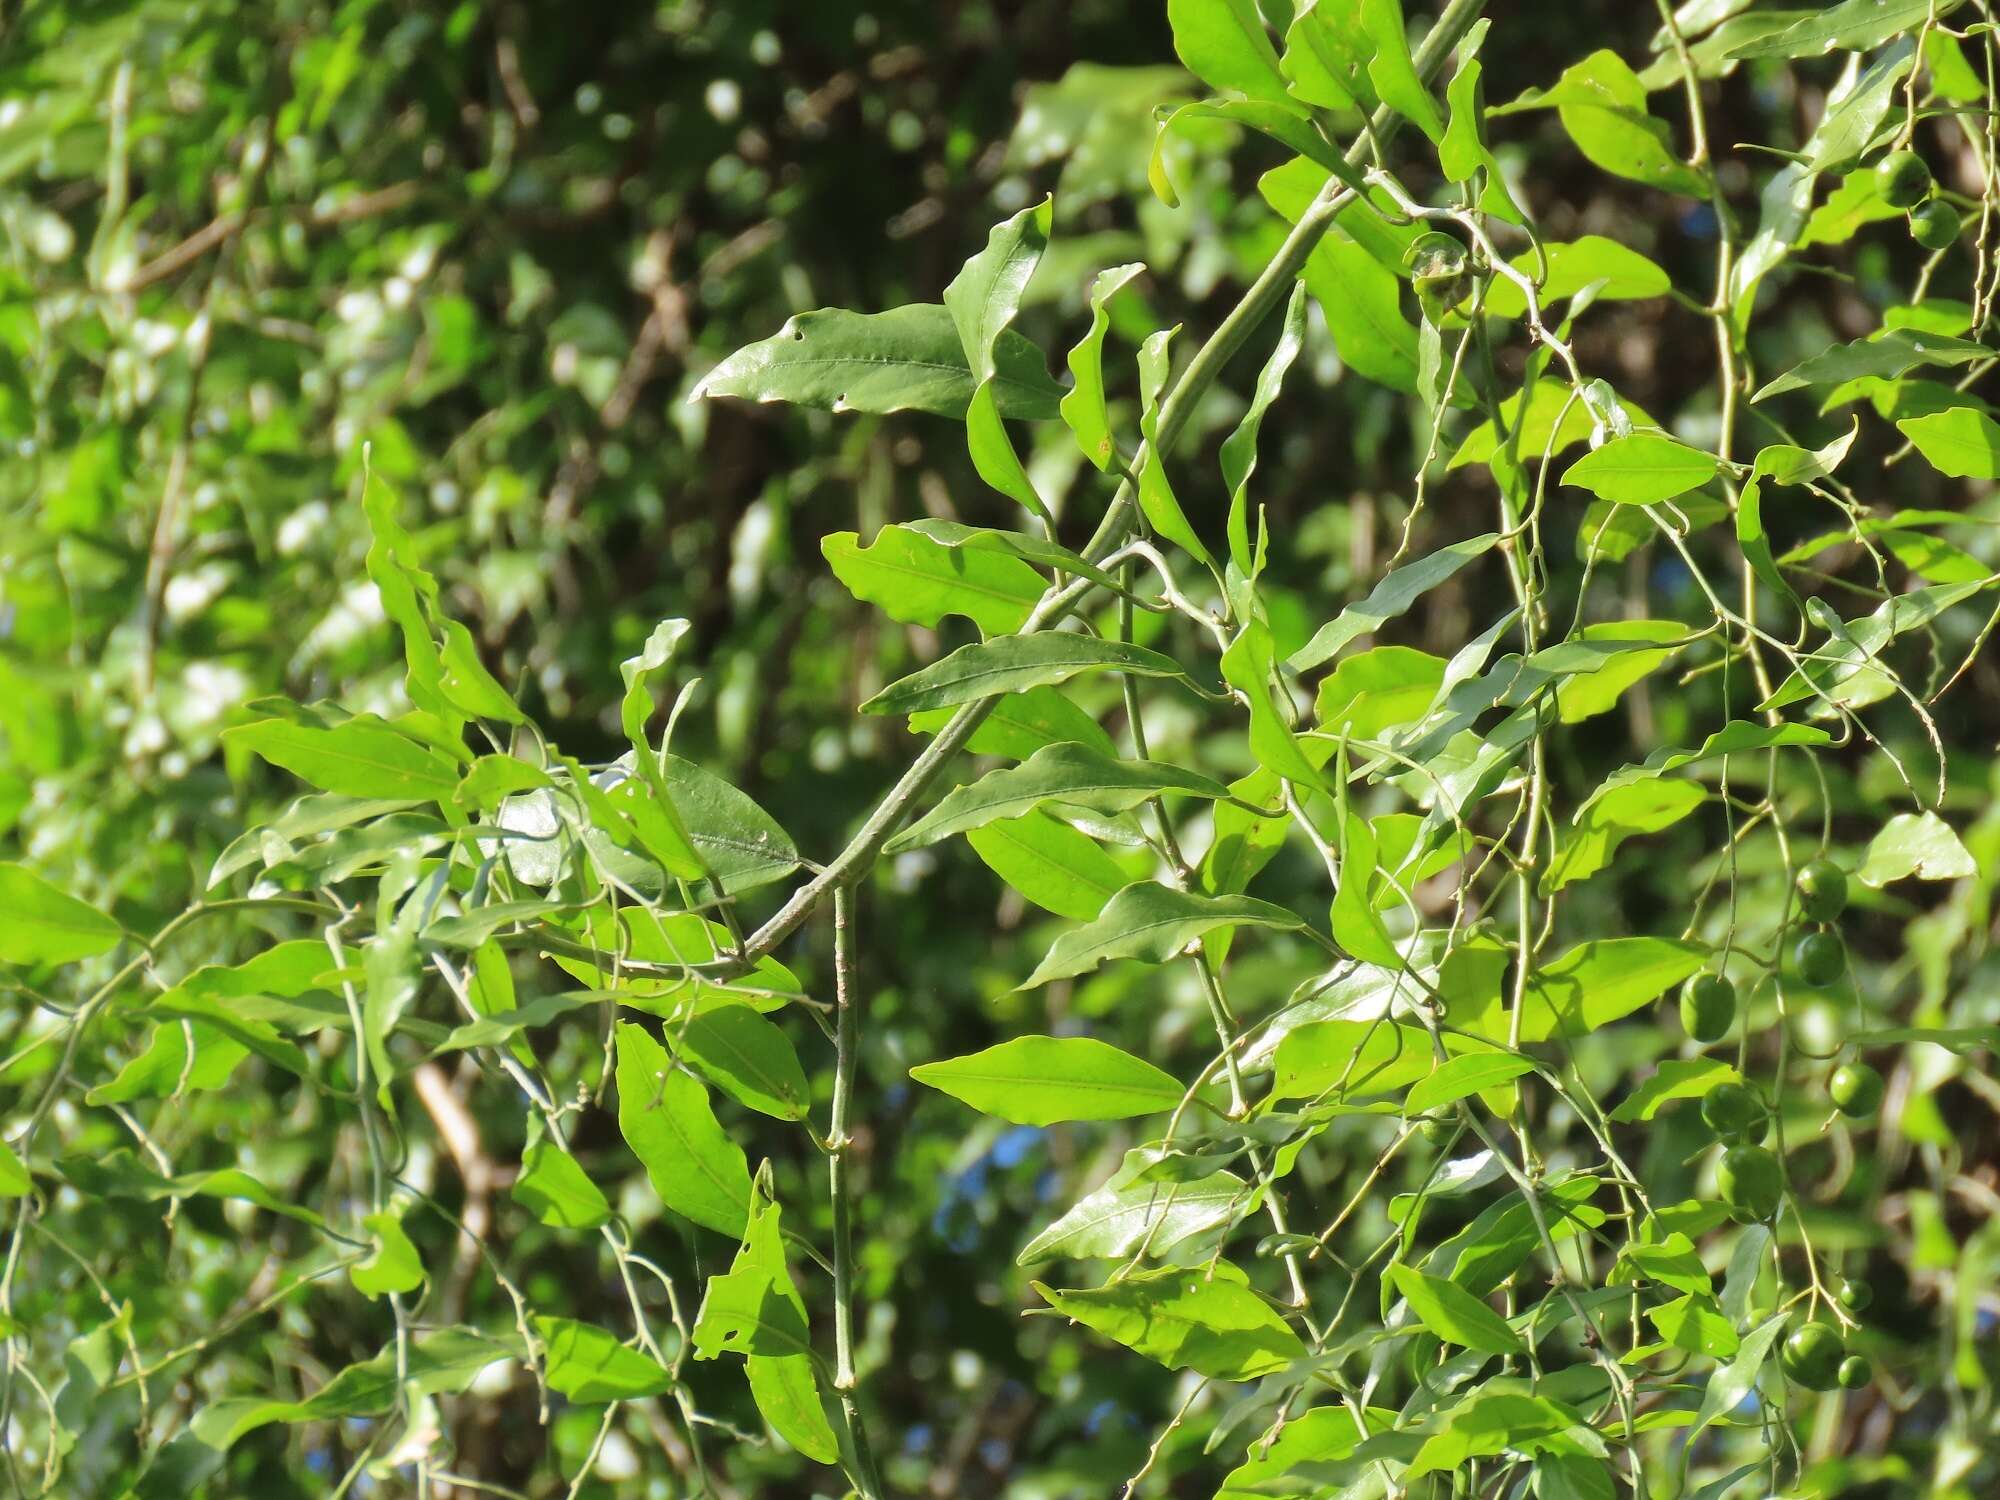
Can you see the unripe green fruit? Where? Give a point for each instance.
(1935, 225)
(1822, 887)
(1856, 1295)
(1732, 1109)
(1439, 270)
(1812, 1357)
(1822, 959)
(1902, 179)
(1751, 1183)
(1854, 1373)
(1708, 1007)
(1855, 1089)
(1439, 1130)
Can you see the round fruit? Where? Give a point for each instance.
(1822, 888)
(1854, 1373)
(1855, 1089)
(1902, 179)
(1822, 959)
(1708, 1007)
(1439, 1130)
(1935, 225)
(1856, 1295)
(1812, 1357)
(1732, 1109)
(1751, 1183)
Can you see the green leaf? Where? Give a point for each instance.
(1357, 925)
(1598, 982)
(553, 1188)
(14, 1179)
(1239, 449)
(1463, 1076)
(1735, 1380)
(919, 582)
(1132, 1214)
(1492, 1422)
(1552, 423)
(1283, 123)
(1643, 468)
(590, 1366)
(909, 358)
(1889, 353)
(664, 1115)
(466, 684)
(1039, 551)
(1342, 1059)
(1733, 738)
(1392, 70)
(740, 845)
(1602, 104)
(1019, 724)
(1326, 56)
(1963, 442)
(1616, 274)
(1693, 1322)
(1676, 1078)
(1462, 151)
(1853, 26)
(1153, 923)
(1050, 863)
(1043, 1080)
(1377, 690)
(1250, 666)
(46, 926)
(1585, 694)
(1205, 1319)
(982, 300)
(1083, 409)
(1011, 663)
(1845, 669)
(1674, 1262)
(1396, 592)
(748, 1058)
(1156, 493)
(1454, 1314)
(360, 757)
(1919, 844)
(392, 1265)
(1623, 813)
(1069, 773)
(1224, 44)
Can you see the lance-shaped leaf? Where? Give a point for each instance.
(1620, 814)
(1224, 44)
(1357, 924)
(1851, 26)
(1205, 1319)
(664, 1115)
(1153, 923)
(918, 581)
(1394, 72)
(754, 1309)
(1049, 862)
(1602, 104)
(1040, 551)
(1136, 1213)
(1157, 501)
(1072, 774)
(1083, 408)
(1845, 668)
(1643, 468)
(1341, 1059)
(909, 358)
(1454, 1314)
(1019, 724)
(1462, 149)
(553, 1188)
(1250, 666)
(1889, 353)
(589, 1366)
(1460, 1077)
(1012, 663)
(1594, 984)
(740, 844)
(1491, 1422)
(1677, 1078)
(1732, 739)
(359, 757)
(1326, 57)
(1239, 449)
(746, 1057)
(1359, 295)
(982, 300)
(43, 925)
(1397, 591)
(1044, 1080)
(1963, 442)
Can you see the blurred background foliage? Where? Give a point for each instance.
(493, 246)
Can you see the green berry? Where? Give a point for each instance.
(1822, 959)
(1902, 179)
(1751, 1182)
(1708, 1007)
(1856, 1295)
(1440, 1130)
(1935, 225)
(1855, 1089)
(1854, 1373)
(1732, 1109)
(1822, 887)
(1812, 1357)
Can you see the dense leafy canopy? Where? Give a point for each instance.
(638, 855)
